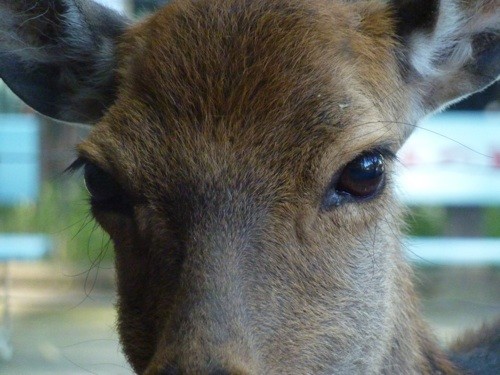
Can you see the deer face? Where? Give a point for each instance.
(242, 161)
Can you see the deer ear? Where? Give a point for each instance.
(449, 48)
(59, 56)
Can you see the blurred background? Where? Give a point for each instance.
(56, 265)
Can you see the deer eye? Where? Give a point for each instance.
(106, 194)
(361, 179)
(100, 185)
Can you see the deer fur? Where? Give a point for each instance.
(219, 126)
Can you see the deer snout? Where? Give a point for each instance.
(171, 370)
(207, 329)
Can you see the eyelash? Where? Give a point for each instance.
(76, 166)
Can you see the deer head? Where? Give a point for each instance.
(241, 161)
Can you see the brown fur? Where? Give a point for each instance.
(230, 119)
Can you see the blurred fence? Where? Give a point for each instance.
(453, 161)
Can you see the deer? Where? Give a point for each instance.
(241, 159)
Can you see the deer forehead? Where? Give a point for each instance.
(263, 82)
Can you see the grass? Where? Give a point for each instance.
(431, 221)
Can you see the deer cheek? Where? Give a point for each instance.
(114, 224)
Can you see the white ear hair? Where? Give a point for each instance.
(454, 55)
(449, 46)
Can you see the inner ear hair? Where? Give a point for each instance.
(59, 56)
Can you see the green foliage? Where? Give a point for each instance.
(431, 221)
(426, 221)
(492, 223)
(63, 213)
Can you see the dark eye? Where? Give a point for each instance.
(361, 179)
(103, 189)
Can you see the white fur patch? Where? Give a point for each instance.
(446, 48)
(443, 57)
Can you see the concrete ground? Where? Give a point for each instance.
(60, 341)
(58, 329)
(63, 323)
